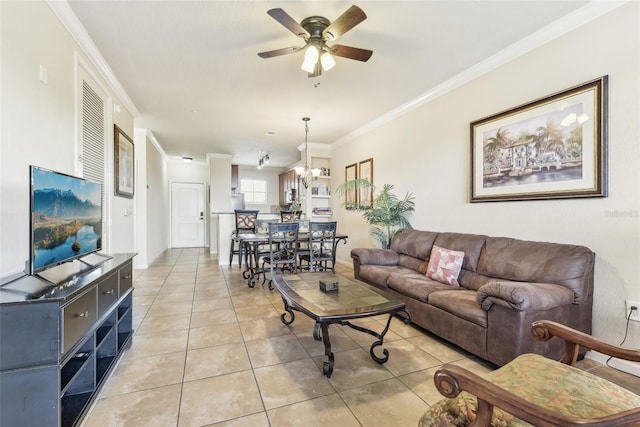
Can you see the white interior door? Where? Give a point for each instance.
(187, 215)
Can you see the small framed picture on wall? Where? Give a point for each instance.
(351, 196)
(365, 171)
(123, 155)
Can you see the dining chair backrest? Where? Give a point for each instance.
(283, 245)
(246, 221)
(290, 216)
(322, 244)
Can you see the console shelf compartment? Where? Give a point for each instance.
(57, 350)
(73, 407)
(123, 339)
(103, 366)
(102, 333)
(72, 370)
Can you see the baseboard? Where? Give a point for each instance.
(345, 263)
(632, 368)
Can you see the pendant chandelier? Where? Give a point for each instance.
(305, 173)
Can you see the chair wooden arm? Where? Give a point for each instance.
(544, 330)
(450, 380)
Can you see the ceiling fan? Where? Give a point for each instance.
(316, 32)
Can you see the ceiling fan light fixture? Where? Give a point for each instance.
(311, 54)
(308, 66)
(327, 61)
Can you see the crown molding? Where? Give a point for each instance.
(564, 25)
(77, 31)
(151, 137)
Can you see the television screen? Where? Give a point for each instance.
(66, 218)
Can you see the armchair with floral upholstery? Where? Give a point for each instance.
(534, 390)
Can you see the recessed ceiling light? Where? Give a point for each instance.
(271, 133)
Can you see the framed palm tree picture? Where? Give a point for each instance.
(551, 148)
(365, 193)
(351, 195)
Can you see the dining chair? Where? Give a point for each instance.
(290, 216)
(321, 247)
(246, 221)
(283, 249)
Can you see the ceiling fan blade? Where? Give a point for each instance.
(279, 52)
(352, 17)
(351, 52)
(288, 22)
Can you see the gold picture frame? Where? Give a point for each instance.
(551, 148)
(123, 163)
(365, 195)
(351, 196)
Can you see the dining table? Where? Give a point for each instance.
(254, 243)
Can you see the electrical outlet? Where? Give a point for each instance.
(635, 315)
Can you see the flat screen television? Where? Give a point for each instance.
(66, 218)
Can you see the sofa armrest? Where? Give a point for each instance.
(374, 256)
(523, 296)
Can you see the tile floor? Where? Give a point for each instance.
(209, 351)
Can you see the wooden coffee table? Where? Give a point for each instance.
(353, 300)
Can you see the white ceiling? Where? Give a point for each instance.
(192, 71)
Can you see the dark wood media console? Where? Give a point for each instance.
(59, 342)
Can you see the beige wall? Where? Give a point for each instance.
(157, 211)
(39, 124)
(433, 162)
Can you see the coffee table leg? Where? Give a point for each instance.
(289, 311)
(381, 360)
(380, 335)
(327, 367)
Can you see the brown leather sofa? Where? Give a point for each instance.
(505, 285)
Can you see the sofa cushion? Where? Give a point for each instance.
(470, 244)
(379, 274)
(444, 265)
(460, 302)
(524, 296)
(416, 264)
(415, 243)
(416, 286)
(541, 262)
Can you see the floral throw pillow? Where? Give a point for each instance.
(444, 265)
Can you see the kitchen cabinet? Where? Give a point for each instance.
(289, 187)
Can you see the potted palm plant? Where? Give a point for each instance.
(387, 215)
